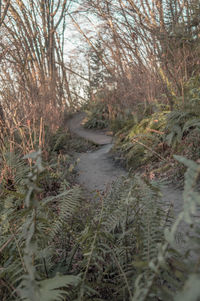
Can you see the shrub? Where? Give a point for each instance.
(140, 143)
(97, 116)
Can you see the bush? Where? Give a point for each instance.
(141, 143)
(59, 140)
(97, 116)
(156, 138)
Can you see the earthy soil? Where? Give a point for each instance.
(95, 136)
(96, 169)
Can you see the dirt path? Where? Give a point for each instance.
(96, 170)
(98, 137)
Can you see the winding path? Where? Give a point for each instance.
(95, 136)
(96, 170)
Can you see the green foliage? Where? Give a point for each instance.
(191, 101)
(179, 125)
(55, 245)
(185, 118)
(98, 73)
(159, 136)
(177, 269)
(59, 140)
(120, 123)
(125, 247)
(141, 143)
(97, 116)
(182, 132)
(13, 171)
(123, 238)
(28, 228)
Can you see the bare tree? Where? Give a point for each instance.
(34, 35)
(3, 12)
(153, 42)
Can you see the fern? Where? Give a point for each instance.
(58, 140)
(122, 248)
(27, 231)
(172, 266)
(13, 170)
(69, 203)
(118, 244)
(97, 116)
(140, 143)
(30, 288)
(47, 290)
(178, 125)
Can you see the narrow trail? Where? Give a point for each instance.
(95, 136)
(96, 170)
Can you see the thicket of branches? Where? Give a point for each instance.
(131, 56)
(34, 81)
(150, 48)
(127, 52)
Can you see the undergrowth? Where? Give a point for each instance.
(38, 202)
(97, 116)
(57, 245)
(153, 141)
(147, 137)
(60, 247)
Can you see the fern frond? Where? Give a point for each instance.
(47, 290)
(68, 203)
(14, 168)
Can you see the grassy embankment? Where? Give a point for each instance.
(146, 140)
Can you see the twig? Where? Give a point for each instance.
(6, 243)
(155, 131)
(151, 150)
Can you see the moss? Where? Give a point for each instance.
(139, 143)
